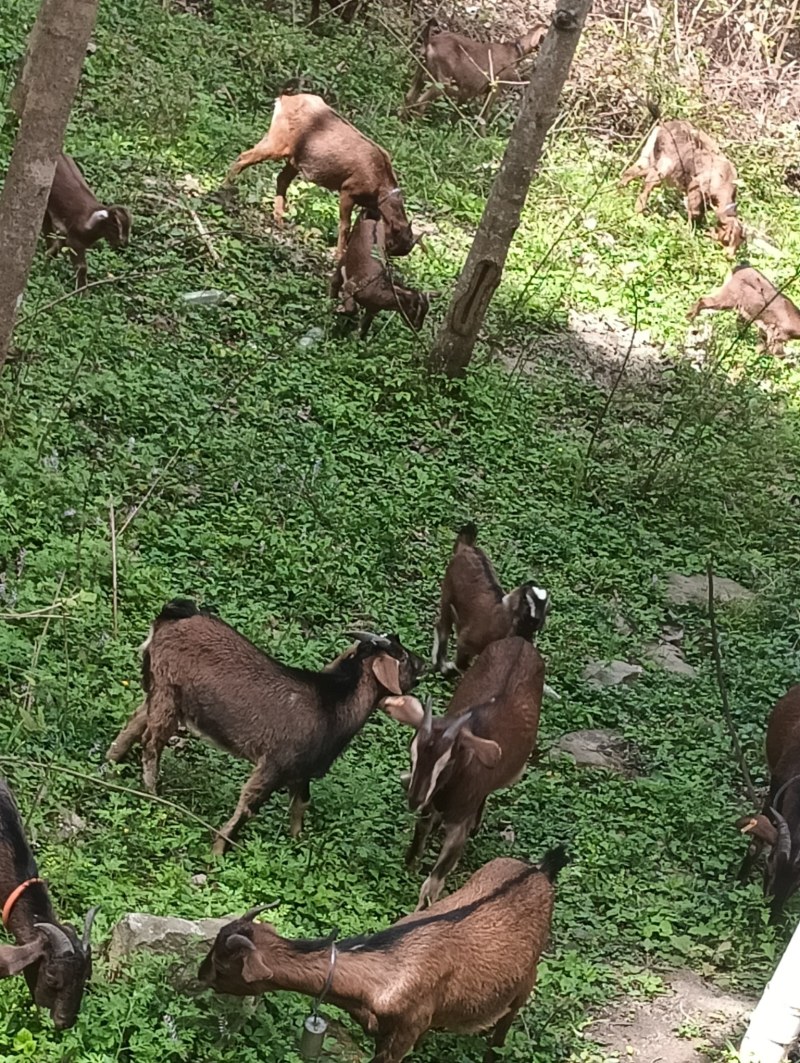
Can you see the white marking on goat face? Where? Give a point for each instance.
(438, 768)
(435, 650)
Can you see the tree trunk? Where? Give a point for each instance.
(43, 98)
(775, 1022)
(455, 341)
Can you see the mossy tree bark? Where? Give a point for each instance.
(42, 99)
(456, 338)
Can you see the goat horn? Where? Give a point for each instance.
(783, 847)
(251, 913)
(61, 944)
(239, 941)
(87, 927)
(368, 636)
(457, 724)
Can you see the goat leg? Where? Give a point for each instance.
(709, 302)
(501, 1028)
(394, 1046)
(748, 863)
(254, 793)
(652, 180)
(162, 723)
(260, 152)
(132, 732)
(441, 634)
(455, 838)
(633, 173)
(370, 314)
(422, 830)
(414, 93)
(81, 272)
(285, 178)
(346, 204)
(300, 800)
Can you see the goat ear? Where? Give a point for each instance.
(15, 958)
(255, 969)
(405, 710)
(98, 215)
(487, 752)
(387, 671)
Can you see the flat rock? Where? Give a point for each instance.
(612, 674)
(596, 749)
(669, 658)
(693, 590)
(162, 935)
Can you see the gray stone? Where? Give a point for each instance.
(70, 826)
(595, 749)
(199, 880)
(163, 935)
(693, 590)
(612, 674)
(668, 658)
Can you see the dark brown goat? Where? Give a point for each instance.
(480, 745)
(76, 219)
(778, 826)
(467, 964)
(321, 146)
(363, 278)
(757, 301)
(472, 598)
(680, 155)
(463, 68)
(55, 961)
(291, 723)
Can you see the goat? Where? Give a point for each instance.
(324, 148)
(55, 961)
(289, 722)
(757, 301)
(480, 745)
(778, 825)
(684, 157)
(363, 278)
(76, 219)
(467, 964)
(463, 68)
(472, 598)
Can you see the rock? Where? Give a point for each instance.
(70, 826)
(162, 935)
(693, 590)
(612, 674)
(668, 658)
(596, 749)
(199, 880)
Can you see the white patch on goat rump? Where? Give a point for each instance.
(145, 646)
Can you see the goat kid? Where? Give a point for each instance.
(463, 68)
(778, 825)
(467, 964)
(55, 961)
(76, 219)
(480, 745)
(363, 279)
(473, 600)
(324, 148)
(290, 723)
(684, 157)
(757, 301)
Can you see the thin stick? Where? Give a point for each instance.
(116, 789)
(205, 236)
(27, 704)
(114, 595)
(723, 689)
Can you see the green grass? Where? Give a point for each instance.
(304, 489)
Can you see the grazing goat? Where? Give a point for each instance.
(467, 964)
(55, 961)
(76, 219)
(778, 825)
(757, 301)
(289, 722)
(462, 68)
(324, 148)
(473, 599)
(684, 157)
(363, 278)
(480, 745)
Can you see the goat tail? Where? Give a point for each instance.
(553, 860)
(467, 535)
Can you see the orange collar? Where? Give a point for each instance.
(8, 907)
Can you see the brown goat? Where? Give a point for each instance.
(363, 278)
(463, 68)
(757, 301)
(55, 961)
(472, 598)
(76, 219)
(778, 826)
(684, 157)
(480, 745)
(322, 147)
(289, 722)
(467, 964)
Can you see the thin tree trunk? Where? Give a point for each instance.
(775, 1022)
(455, 341)
(43, 95)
